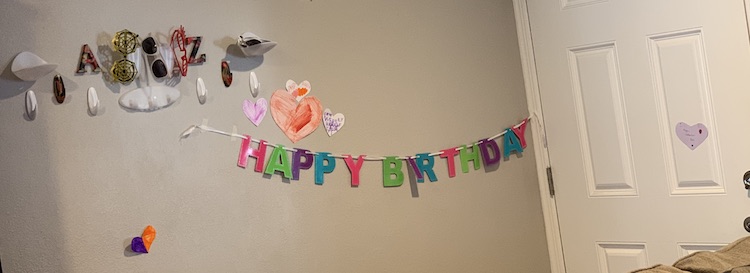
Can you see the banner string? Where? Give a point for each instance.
(205, 128)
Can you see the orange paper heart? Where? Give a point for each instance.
(149, 234)
(295, 120)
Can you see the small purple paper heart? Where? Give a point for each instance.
(137, 245)
(692, 136)
(255, 111)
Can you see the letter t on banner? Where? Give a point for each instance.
(449, 155)
(246, 151)
(354, 167)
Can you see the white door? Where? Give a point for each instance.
(647, 115)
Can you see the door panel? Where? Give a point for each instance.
(617, 78)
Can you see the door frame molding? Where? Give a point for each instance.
(534, 102)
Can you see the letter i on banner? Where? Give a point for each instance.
(354, 167)
(279, 162)
(449, 155)
(467, 156)
(511, 143)
(298, 164)
(413, 163)
(391, 168)
(246, 151)
(324, 163)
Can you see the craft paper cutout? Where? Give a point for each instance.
(449, 155)
(31, 104)
(279, 162)
(252, 45)
(425, 163)
(298, 164)
(490, 152)
(256, 111)
(143, 244)
(693, 135)
(28, 66)
(511, 143)
(298, 91)
(254, 84)
(331, 122)
(467, 156)
(415, 169)
(295, 120)
(226, 73)
(87, 58)
(247, 151)
(93, 101)
(149, 98)
(392, 174)
(58, 86)
(354, 167)
(521, 131)
(200, 90)
(324, 163)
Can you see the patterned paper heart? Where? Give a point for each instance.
(298, 91)
(692, 136)
(255, 112)
(333, 123)
(295, 120)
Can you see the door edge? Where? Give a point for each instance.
(533, 100)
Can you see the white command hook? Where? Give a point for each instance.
(93, 100)
(254, 84)
(31, 105)
(200, 90)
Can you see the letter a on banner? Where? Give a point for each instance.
(279, 162)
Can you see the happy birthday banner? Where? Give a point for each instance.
(485, 152)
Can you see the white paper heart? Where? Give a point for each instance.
(333, 123)
(298, 91)
(692, 136)
(255, 112)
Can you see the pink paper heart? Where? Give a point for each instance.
(693, 135)
(255, 112)
(295, 120)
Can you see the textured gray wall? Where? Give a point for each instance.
(411, 76)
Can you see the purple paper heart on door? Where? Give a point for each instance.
(693, 135)
(255, 111)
